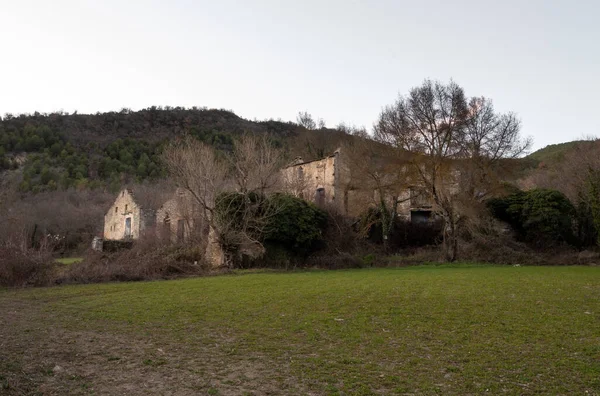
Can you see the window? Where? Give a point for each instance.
(320, 196)
(166, 228)
(125, 207)
(116, 209)
(420, 216)
(180, 231)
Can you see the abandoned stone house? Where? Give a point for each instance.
(179, 217)
(128, 218)
(314, 180)
(328, 182)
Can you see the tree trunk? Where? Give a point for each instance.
(450, 239)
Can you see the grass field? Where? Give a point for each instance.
(423, 330)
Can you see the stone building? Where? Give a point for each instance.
(316, 181)
(128, 218)
(179, 218)
(339, 183)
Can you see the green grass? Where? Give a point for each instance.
(69, 260)
(423, 330)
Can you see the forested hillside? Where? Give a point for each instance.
(555, 152)
(60, 150)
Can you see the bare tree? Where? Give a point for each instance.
(196, 168)
(321, 124)
(230, 190)
(488, 140)
(256, 163)
(451, 140)
(379, 178)
(306, 120)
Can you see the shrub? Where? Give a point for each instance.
(276, 222)
(539, 216)
(405, 234)
(297, 226)
(146, 260)
(25, 267)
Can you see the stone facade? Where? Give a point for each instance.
(126, 219)
(214, 251)
(328, 182)
(316, 181)
(179, 217)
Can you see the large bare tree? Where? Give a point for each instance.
(455, 145)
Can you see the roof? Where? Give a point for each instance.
(147, 196)
(300, 162)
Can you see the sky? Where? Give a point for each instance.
(340, 60)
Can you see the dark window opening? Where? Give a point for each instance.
(320, 196)
(180, 230)
(166, 227)
(420, 216)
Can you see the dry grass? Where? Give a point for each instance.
(21, 267)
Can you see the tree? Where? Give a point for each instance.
(322, 124)
(297, 226)
(255, 164)
(231, 191)
(488, 140)
(306, 120)
(539, 216)
(453, 145)
(577, 175)
(376, 173)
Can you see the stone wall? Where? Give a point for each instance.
(214, 252)
(314, 181)
(179, 217)
(329, 182)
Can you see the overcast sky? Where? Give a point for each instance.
(339, 60)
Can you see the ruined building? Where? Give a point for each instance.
(316, 181)
(340, 182)
(179, 217)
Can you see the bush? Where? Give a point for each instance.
(539, 216)
(405, 234)
(297, 226)
(25, 267)
(146, 260)
(289, 227)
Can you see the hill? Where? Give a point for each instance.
(62, 150)
(555, 152)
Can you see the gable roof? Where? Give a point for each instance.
(147, 197)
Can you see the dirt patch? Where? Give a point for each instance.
(38, 355)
